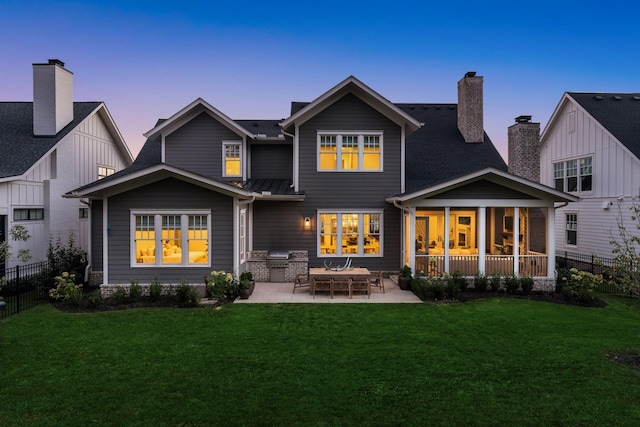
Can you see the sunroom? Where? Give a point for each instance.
(489, 222)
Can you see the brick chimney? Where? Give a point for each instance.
(524, 148)
(52, 98)
(470, 107)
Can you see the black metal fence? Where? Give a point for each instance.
(25, 286)
(595, 265)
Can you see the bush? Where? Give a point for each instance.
(155, 289)
(68, 258)
(246, 275)
(222, 286)
(480, 283)
(66, 289)
(187, 294)
(526, 283)
(428, 288)
(95, 298)
(120, 295)
(135, 291)
(511, 283)
(453, 287)
(580, 284)
(494, 282)
(460, 280)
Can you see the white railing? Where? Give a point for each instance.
(467, 265)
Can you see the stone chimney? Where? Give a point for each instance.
(52, 98)
(524, 148)
(470, 107)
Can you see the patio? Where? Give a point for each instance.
(266, 292)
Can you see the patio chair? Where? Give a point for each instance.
(341, 285)
(377, 281)
(322, 285)
(360, 284)
(301, 281)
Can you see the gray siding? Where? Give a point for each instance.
(169, 194)
(272, 161)
(483, 190)
(96, 235)
(197, 146)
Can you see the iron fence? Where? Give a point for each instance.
(25, 286)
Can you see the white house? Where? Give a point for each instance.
(49, 146)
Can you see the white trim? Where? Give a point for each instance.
(339, 141)
(361, 224)
(105, 241)
(296, 158)
(241, 153)
(403, 155)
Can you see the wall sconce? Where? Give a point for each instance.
(307, 223)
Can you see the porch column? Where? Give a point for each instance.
(551, 242)
(482, 238)
(516, 240)
(447, 212)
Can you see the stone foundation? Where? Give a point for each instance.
(257, 265)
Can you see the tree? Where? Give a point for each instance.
(626, 248)
(17, 233)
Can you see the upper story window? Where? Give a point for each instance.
(28, 214)
(350, 151)
(232, 159)
(571, 121)
(104, 171)
(573, 175)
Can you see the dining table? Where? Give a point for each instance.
(338, 276)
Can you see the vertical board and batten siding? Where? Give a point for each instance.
(169, 194)
(197, 146)
(271, 161)
(616, 172)
(352, 190)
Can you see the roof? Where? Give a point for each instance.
(20, 149)
(619, 113)
(268, 128)
(437, 151)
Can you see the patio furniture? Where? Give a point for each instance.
(360, 284)
(321, 285)
(322, 277)
(377, 281)
(301, 281)
(341, 284)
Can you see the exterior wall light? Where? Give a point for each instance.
(307, 223)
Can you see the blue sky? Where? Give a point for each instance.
(148, 59)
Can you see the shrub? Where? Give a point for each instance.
(460, 280)
(580, 284)
(511, 283)
(155, 289)
(66, 289)
(453, 287)
(222, 286)
(526, 283)
(405, 271)
(246, 275)
(436, 287)
(69, 258)
(428, 288)
(480, 282)
(494, 282)
(187, 294)
(95, 298)
(135, 290)
(120, 295)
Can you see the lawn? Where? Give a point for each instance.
(493, 362)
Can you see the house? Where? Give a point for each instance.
(347, 175)
(49, 146)
(590, 148)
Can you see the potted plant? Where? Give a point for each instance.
(243, 289)
(404, 281)
(247, 275)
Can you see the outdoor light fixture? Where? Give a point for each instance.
(307, 223)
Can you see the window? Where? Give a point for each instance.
(83, 213)
(159, 238)
(232, 161)
(104, 171)
(350, 234)
(571, 229)
(350, 151)
(28, 214)
(571, 121)
(573, 175)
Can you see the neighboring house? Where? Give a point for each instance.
(47, 147)
(591, 148)
(348, 175)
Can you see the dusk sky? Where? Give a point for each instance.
(148, 59)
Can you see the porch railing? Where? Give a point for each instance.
(468, 265)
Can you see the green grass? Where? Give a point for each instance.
(495, 362)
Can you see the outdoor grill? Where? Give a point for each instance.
(277, 262)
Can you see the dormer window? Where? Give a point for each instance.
(350, 151)
(104, 171)
(232, 158)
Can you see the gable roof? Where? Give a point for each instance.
(21, 149)
(437, 152)
(619, 113)
(362, 91)
(192, 110)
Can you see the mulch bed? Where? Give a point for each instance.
(551, 297)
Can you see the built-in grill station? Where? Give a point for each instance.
(277, 262)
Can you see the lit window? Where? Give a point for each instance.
(350, 234)
(104, 171)
(160, 239)
(232, 159)
(573, 175)
(28, 214)
(356, 151)
(571, 229)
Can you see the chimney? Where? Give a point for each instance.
(524, 148)
(52, 98)
(470, 107)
